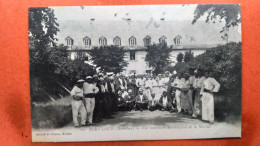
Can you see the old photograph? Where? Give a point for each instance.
(139, 72)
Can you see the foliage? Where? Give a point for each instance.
(230, 14)
(225, 62)
(158, 57)
(42, 30)
(42, 27)
(188, 56)
(109, 58)
(180, 57)
(180, 67)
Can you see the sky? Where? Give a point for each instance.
(117, 13)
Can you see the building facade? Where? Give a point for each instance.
(136, 36)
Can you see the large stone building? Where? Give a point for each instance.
(135, 36)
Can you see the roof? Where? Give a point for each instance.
(200, 34)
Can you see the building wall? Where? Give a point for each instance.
(139, 66)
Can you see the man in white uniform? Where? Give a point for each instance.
(178, 82)
(77, 104)
(209, 86)
(89, 90)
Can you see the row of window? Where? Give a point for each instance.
(117, 41)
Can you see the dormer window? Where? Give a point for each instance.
(177, 40)
(87, 41)
(102, 41)
(147, 41)
(132, 41)
(162, 40)
(69, 41)
(117, 41)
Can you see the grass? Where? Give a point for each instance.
(52, 114)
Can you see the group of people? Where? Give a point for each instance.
(100, 96)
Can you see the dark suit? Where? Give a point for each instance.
(99, 105)
(121, 104)
(141, 104)
(130, 102)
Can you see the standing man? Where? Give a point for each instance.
(78, 104)
(191, 81)
(140, 82)
(89, 90)
(141, 101)
(197, 88)
(177, 84)
(100, 103)
(186, 103)
(209, 86)
(148, 87)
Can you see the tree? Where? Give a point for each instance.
(109, 58)
(180, 57)
(225, 63)
(43, 27)
(42, 42)
(158, 57)
(229, 13)
(188, 56)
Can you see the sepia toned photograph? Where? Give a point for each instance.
(139, 72)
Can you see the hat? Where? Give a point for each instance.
(101, 79)
(186, 74)
(119, 92)
(81, 80)
(174, 72)
(159, 74)
(95, 76)
(140, 89)
(88, 77)
(130, 90)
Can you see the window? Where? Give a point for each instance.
(132, 55)
(147, 41)
(117, 41)
(132, 41)
(177, 40)
(86, 41)
(69, 41)
(162, 40)
(148, 72)
(102, 41)
(132, 72)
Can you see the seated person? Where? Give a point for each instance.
(130, 100)
(165, 103)
(121, 102)
(152, 104)
(124, 93)
(141, 101)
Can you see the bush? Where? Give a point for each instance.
(51, 115)
(225, 62)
